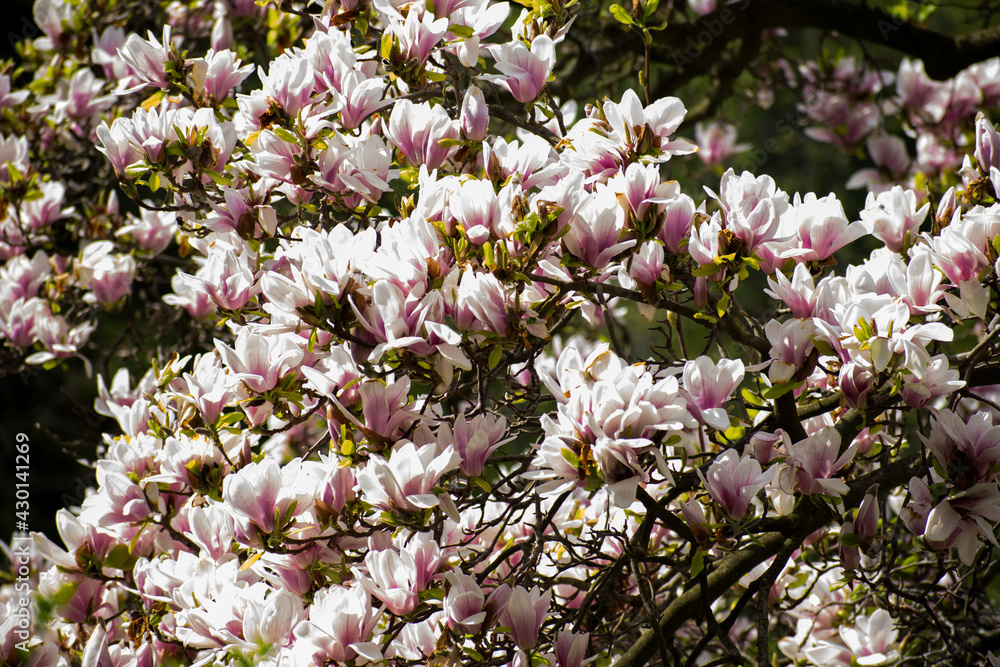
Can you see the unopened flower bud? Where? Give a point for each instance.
(475, 118)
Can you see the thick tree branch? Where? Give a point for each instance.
(807, 517)
(696, 47)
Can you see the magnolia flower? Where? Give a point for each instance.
(260, 360)
(261, 494)
(628, 120)
(463, 605)
(571, 648)
(476, 207)
(822, 228)
(733, 482)
(817, 459)
(475, 440)
(956, 520)
(147, 59)
(893, 217)
(872, 639)
(417, 35)
(417, 130)
(217, 74)
(595, 232)
(404, 482)
(524, 71)
(791, 343)
(967, 450)
(475, 115)
(709, 386)
(524, 614)
(340, 625)
(716, 142)
(987, 144)
(108, 275)
(799, 293)
(228, 279)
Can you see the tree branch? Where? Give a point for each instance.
(696, 47)
(806, 518)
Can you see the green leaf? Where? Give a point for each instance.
(780, 390)
(650, 8)
(621, 15)
(462, 31)
(570, 457)
(120, 558)
(217, 178)
(495, 355)
(482, 484)
(230, 418)
(385, 46)
(706, 269)
(66, 592)
(285, 134)
(697, 562)
(153, 100)
(319, 305)
(723, 305)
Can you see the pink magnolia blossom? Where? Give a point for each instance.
(260, 495)
(475, 440)
(872, 639)
(892, 162)
(709, 385)
(627, 119)
(524, 614)
(717, 142)
(228, 279)
(571, 648)
(339, 629)
(799, 293)
(817, 459)
(595, 233)
(417, 131)
(13, 150)
(791, 342)
(475, 115)
(524, 70)
(107, 274)
(966, 450)
(417, 34)
(956, 520)
(463, 605)
(404, 482)
(259, 360)
(146, 58)
(678, 218)
(823, 228)
(733, 482)
(893, 217)
(215, 75)
(397, 577)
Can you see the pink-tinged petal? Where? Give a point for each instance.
(941, 522)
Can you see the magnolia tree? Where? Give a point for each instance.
(383, 280)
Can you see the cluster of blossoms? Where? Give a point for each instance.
(389, 446)
(848, 103)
